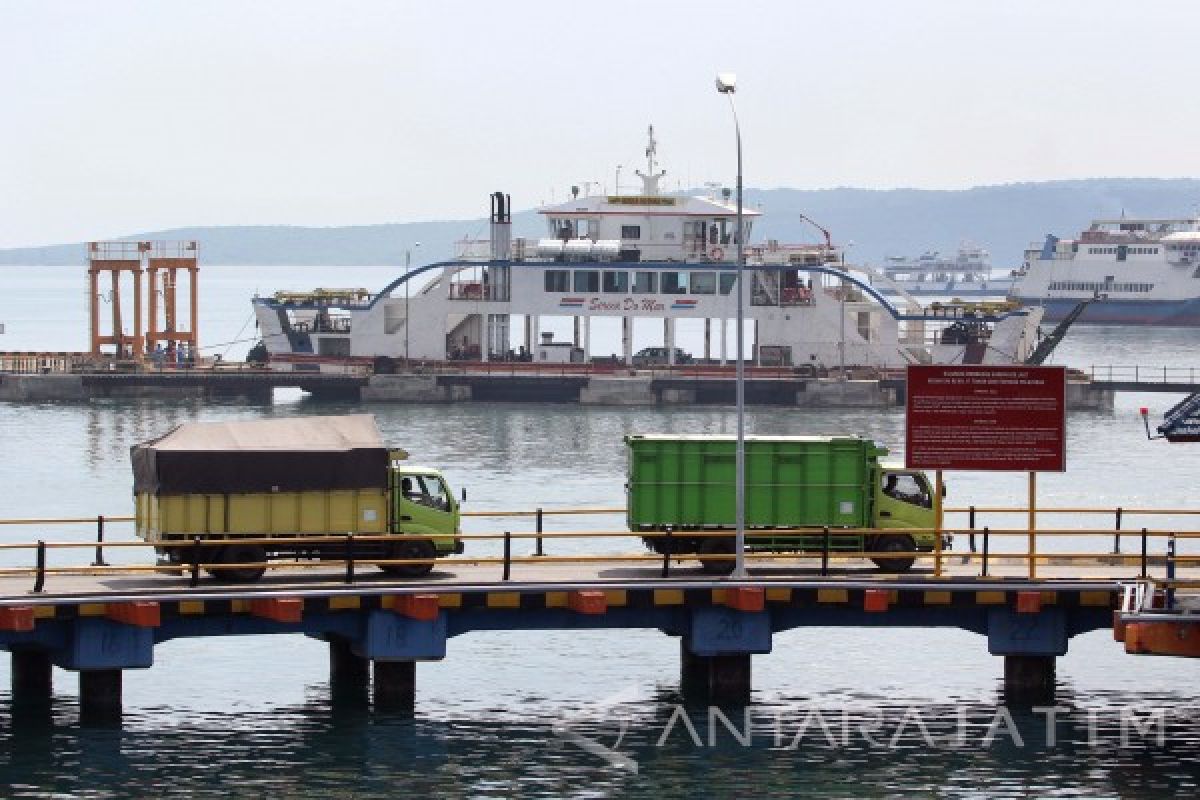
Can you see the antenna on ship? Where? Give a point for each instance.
(649, 179)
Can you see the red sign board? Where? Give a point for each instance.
(975, 417)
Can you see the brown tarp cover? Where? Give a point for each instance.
(270, 455)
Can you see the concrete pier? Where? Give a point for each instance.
(718, 680)
(100, 696)
(1029, 680)
(349, 673)
(395, 685)
(32, 676)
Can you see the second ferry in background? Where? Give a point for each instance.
(967, 274)
(1137, 271)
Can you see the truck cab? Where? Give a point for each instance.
(421, 505)
(904, 499)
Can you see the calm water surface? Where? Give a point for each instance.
(254, 717)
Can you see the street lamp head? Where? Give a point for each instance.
(726, 82)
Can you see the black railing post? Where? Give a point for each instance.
(39, 582)
(1145, 571)
(350, 558)
(666, 548)
(1171, 572)
(507, 555)
(195, 561)
(986, 537)
(972, 526)
(1117, 535)
(99, 562)
(539, 551)
(825, 551)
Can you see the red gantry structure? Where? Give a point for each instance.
(160, 263)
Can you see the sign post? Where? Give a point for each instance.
(987, 418)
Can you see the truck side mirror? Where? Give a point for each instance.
(943, 491)
(464, 494)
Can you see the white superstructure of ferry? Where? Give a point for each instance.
(632, 258)
(1141, 272)
(966, 274)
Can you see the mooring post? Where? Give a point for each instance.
(395, 685)
(100, 696)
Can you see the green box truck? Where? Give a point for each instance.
(249, 488)
(686, 484)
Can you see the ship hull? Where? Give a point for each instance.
(1168, 313)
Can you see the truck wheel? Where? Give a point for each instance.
(241, 554)
(717, 545)
(895, 544)
(411, 551)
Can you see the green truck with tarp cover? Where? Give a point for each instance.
(686, 485)
(248, 489)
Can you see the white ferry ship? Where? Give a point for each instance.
(1142, 272)
(968, 274)
(633, 258)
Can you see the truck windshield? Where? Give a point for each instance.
(908, 488)
(428, 490)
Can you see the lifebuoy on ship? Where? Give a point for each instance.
(716, 254)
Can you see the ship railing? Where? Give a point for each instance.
(1143, 374)
(993, 552)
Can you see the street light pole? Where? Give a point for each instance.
(407, 321)
(726, 85)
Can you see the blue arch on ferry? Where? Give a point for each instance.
(660, 266)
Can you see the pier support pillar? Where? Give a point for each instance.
(627, 340)
(32, 676)
(100, 695)
(1028, 680)
(349, 673)
(720, 680)
(395, 685)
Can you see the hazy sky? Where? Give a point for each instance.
(120, 117)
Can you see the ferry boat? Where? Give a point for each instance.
(967, 274)
(635, 258)
(1139, 271)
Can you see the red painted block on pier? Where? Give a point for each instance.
(1118, 627)
(16, 618)
(876, 600)
(422, 607)
(1029, 602)
(279, 609)
(1163, 638)
(587, 602)
(140, 614)
(746, 598)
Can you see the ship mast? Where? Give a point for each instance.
(649, 178)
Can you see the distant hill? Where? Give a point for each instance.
(1003, 219)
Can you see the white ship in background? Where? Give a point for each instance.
(628, 258)
(967, 274)
(1139, 272)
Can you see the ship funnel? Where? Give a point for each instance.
(501, 233)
